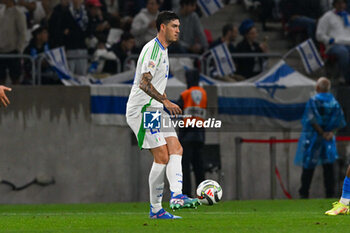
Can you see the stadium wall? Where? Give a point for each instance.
(47, 131)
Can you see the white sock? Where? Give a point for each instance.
(156, 186)
(174, 174)
(344, 201)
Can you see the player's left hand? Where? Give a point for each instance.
(174, 109)
(3, 98)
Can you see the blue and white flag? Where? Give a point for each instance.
(310, 56)
(223, 60)
(58, 62)
(268, 99)
(209, 7)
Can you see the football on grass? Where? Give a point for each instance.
(209, 192)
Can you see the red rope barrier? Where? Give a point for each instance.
(294, 140)
(278, 175)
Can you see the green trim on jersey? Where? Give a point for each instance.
(144, 55)
(155, 51)
(142, 131)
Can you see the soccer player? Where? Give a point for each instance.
(342, 207)
(3, 98)
(148, 91)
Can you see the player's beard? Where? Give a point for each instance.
(171, 39)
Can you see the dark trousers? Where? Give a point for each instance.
(328, 176)
(192, 156)
(13, 65)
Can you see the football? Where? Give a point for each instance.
(209, 192)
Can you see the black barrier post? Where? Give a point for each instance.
(272, 167)
(238, 142)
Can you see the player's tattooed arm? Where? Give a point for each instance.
(146, 86)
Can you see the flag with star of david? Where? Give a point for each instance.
(309, 56)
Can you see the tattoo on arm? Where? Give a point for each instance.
(147, 87)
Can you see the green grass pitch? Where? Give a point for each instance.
(231, 216)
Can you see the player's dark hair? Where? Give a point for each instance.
(187, 2)
(227, 28)
(165, 17)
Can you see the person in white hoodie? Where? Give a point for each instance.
(333, 30)
(144, 24)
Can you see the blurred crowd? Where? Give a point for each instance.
(99, 35)
(325, 21)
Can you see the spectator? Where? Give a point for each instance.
(268, 9)
(75, 33)
(192, 36)
(124, 48)
(115, 31)
(55, 24)
(229, 35)
(12, 40)
(249, 67)
(333, 30)
(130, 7)
(98, 26)
(193, 101)
(302, 15)
(144, 24)
(323, 116)
(38, 45)
(37, 11)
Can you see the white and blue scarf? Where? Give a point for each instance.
(80, 16)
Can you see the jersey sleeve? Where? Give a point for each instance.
(150, 59)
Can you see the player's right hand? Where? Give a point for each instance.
(174, 109)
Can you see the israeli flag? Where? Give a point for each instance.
(58, 62)
(309, 55)
(209, 7)
(223, 59)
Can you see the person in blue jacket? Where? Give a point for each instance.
(323, 116)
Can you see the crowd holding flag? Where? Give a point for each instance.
(209, 7)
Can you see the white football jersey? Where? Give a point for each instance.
(154, 59)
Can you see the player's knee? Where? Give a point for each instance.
(162, 159)
(161, 155)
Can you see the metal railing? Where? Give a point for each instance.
(174, 55)
(204, 59)
(207, 58)
(42, 57)
(21, 56)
